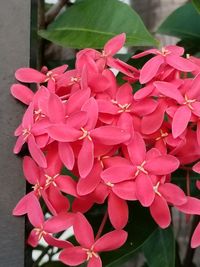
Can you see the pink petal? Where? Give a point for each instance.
(59, 223)
(73, 256)
(152, 122)
(125, 190)
(111, 241)
(83, 231)
(86, 157)
(66, 154)
(89, 183)
(52, 241)
(144, 92)
(195, 241)
(60, 69)
(22, 93)
(18, 145)
(35, 213)
(172, 193)
(118, 174)
(36, 152)
(180, 120)
(137, 149)
(29, 75)
(169, 90)
(124, 94)
(63, 133)
(194, 90)
(31, 170)
(144, 190)
(110, 135)
(106, 106)
(27, 120)
(66, 184)
(91, 107)
(162, 165)
(56, 112)
(120, 218)
(175, 49)
(144, 107)
(180, 63)
(94, 262)
(77, 119)
(145, 53)
(196, 167)
(55, 201)
(115, 44)
(160, 212)
(22, 206)
(192, 206)
(150, 69)
(33, 238)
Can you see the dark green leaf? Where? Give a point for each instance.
(196, 4)
(159, 249)
(91, 23)
(139, 228)
(184, 22)
(53, 264)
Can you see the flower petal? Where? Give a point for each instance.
(22, 93)
(115, 44)
(36, 152)
(29, 75)
(73, 256)
(180, 120)
(169, 90)
(66, 154)
(192, 206)
(172, 193)
(180, 63)
(31, 170)
(111, 241)
(195, 241)
(144, 190)
(160, 212)
(86, 157)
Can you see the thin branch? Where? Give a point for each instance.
(102, 225)
(54, 11)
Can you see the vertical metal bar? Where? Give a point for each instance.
(14, 53)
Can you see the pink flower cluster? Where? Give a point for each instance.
(120, 144)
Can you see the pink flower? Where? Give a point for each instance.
(90, 247)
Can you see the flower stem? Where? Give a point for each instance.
(105, 217)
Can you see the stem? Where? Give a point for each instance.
(190, 251)
(105, 217)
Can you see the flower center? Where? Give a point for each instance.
(85, 134)
(75, 79)
(37, 188)
(109, 184)
(38, 114)
(188, 102)
(155, 188)
(51, 179)
(123, 108)
(162, 135)
(26, 132)
(140, 168)
(40, 232)
(90, 253)
(164, 52)
(50, 75)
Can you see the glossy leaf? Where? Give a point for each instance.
(196, 4)
(177, 23)
(91, 23)
(159, 249)
(138, 233)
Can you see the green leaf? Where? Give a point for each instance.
(196, 4)
(184, 22)
(159, 249)
(91, 23)
(139, 228)
(53, 264)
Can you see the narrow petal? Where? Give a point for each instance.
(192, 206)
(118, 211)
(55, 242)
(29, 75)
(169, 90)
(194, 90)
(83, 231)
(124, 94)
(91, 107)
(18, 145)
(59, 223)
(22, 93)
(23, 205)
(66, 154)
(63, 133)
(106, 106)
(36, 152)
(110, 135)
(162, 165)
(180, 63)
(195, 241)
(137, 149)
(145, 53)
(35, 213)
(125, 190)
(115, 44)
(76, 100)
(180, 120)
(33, 238)
(111, 241)
(89, 183)
(150, 69)
(160, 212)
(144, 190)
(196, 167)
(173, 194)
(31, 170)
(118, 174)
(94, 262)
(56, 112)
(66, 184)
(86, 157)
(73, 256)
